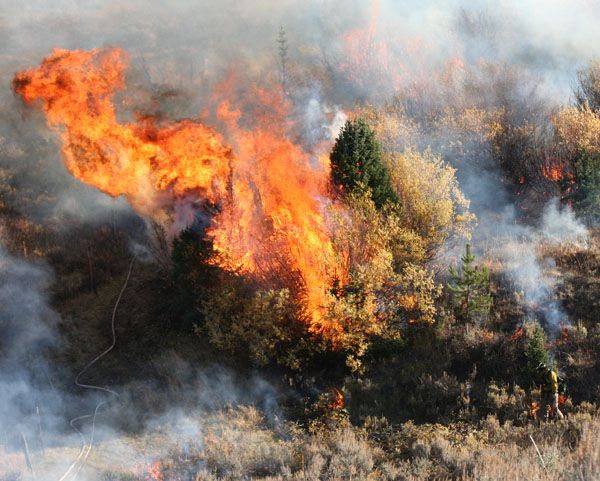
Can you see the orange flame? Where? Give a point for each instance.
(154, 472)
(534, 407)
(556, 171)
(338, 402)
(271, 195)
(518, 334)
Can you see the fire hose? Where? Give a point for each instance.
(86, 447)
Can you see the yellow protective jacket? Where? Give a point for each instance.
(550, 382)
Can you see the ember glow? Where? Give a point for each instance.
(556, 172)
(534, 407)
(269, 194)
(337, 399)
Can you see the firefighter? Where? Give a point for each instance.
(548, 381)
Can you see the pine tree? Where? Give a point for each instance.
(356, 163)
(282, 47)
(536, 349)
(583, 190)
(470, 289)
(536, 353)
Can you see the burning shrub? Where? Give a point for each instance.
(578, 131)
(387, 286)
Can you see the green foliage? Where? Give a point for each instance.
(356, 163)
(585, 191)
(190, 256)
(470, 289)
(536, 352)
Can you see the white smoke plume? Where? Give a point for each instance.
(533, 274)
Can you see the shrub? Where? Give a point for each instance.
(258, 326)
(432, 203)
(387, 285)
(587, 90)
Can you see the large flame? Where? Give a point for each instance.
(270, 194)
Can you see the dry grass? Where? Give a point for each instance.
(239, 444)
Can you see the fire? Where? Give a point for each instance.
(270, 195)
(338, 401)
(139, 160)
(154, 472)
(556, 172)
(518, 334)
(534, 407)
(552, 173)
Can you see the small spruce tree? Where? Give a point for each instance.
(470, 289)
(192, 274)
(584, 194)
(356, 163)
(536, 353)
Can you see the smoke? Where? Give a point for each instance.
(36, 403)
(560, 226)
(28, 398)
(519, 248)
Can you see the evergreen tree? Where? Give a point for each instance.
(470, 288)
(536, 353)
(583, 190)
(192, 273)
(356, 163)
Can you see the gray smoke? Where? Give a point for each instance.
(37, 400)
(533, 273)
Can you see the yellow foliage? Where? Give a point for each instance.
(386, 285)
(256, 324)
(394, 130)
(432, 202)
(577, 129)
